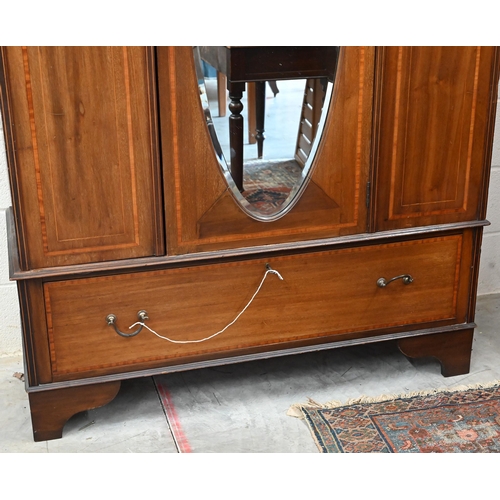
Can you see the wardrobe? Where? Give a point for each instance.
(136, 253)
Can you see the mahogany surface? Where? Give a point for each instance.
(120, 204)
(50, 410)
(322, 294)
(85, 158)
(200, 208)
(435, 112)
(451, 349)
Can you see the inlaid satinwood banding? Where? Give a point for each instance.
(63, 232)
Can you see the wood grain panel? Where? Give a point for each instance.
(200, 208)
(85, 152)
(324, 293)
(436, 104)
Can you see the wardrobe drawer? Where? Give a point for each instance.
(322, 294)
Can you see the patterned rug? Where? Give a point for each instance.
(268, 183)
(464, 420)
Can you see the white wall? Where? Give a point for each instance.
(10, 329)
(489, 272)
(10, 325)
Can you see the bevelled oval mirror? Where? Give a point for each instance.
(265, 108)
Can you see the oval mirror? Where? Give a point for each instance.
(265, 108)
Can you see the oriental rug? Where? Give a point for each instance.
(462, 420)
(268, 183)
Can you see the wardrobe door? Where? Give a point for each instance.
(205, 214)
(80, 126)
(436, 112)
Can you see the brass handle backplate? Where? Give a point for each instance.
(111, 321)
(407, 279)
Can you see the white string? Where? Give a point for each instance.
(269, 270)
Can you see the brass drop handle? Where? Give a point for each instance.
(111, 321)
(407, 279)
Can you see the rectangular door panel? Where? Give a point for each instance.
(435, 115)
(82, 124)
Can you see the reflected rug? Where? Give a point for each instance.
(268, 183)
(462, 420)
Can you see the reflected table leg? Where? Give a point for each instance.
(236, 132)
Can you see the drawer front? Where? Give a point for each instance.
(322, 294)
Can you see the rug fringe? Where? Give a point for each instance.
(295, 410)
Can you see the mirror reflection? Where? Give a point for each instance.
(265, 108)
